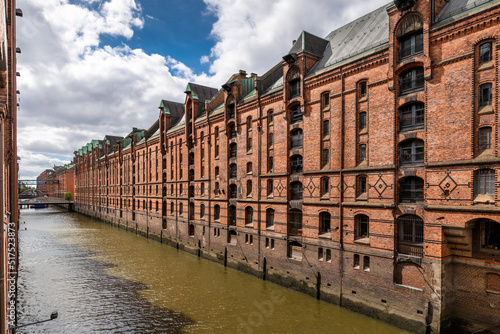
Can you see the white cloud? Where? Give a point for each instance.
(74, 89)
(204, 59)
(253, 35)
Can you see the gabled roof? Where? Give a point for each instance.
(174, 109)
(199, 92)
(310, 44)
(366, 33)
(112, 140)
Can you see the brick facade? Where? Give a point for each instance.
(366, 178)
(9, 168)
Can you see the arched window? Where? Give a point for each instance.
(233, 191)
(410, 235)
(216, 212)
(296, 136)
(484, 183)
(412, 152)
(296, 190)
(361, 227)
(231, 107)
(296, 164)
(232, 171)
(362, 90)
(485, 138)
(232, 215)
(411, 190)
(295, 222)
(233, 150)
(485, 53)
(411, 80)
(249, 216)
(293, 79)
(269, 219)
(411, 116)
(410, 36)
(324, 222)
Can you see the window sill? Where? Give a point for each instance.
(484, 199)
(485, 66)
(326, 235)
(365, 240)
(417, 127)
(363, 99)
(270, 228)
(363, 131)
(413, 91)
(362, 197)
(325, 197)
(493, 291)
(485, 110)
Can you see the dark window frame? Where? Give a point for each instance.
(411, 190)
(411, 44)
(412, 152)
(411, 80)
(485, 53)
(296, 164)
(412, 116)
(296, 191)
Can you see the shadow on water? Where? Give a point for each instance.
(56, 276)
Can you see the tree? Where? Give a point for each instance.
(68, 196)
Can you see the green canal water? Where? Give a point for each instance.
(102, 279)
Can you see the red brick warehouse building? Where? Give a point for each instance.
(361, 169)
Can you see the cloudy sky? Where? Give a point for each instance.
(91, 68)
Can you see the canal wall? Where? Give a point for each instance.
(264, 255)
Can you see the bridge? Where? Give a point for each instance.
(45, 202)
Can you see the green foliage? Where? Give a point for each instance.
(68, 196)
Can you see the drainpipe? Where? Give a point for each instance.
(259, 164)
(433, 15)
(341, 209)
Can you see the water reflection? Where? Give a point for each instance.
(104, 280)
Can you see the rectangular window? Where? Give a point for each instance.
(485, 94)
(356, 261)
(362, 152)
(326, 101)
(362, 89)
(326, 157)
(411, 45)
(270, 140)
(320, 254)
(411, 80)
(485, 54)
(270, 164)
(296, 114)
(366, 263)
(362, 120)
(326, 128)
(485, 138)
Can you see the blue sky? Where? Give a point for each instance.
(91, 68)
(173, 27)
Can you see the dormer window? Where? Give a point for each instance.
(294, 82)
(410, 36)
(231, 108)
(411, 45)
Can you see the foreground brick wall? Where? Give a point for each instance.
(420, 258)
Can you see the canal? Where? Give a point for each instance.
(102, 279)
